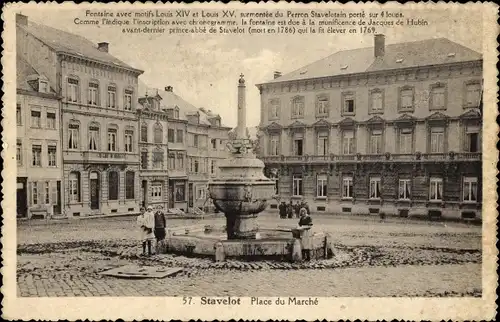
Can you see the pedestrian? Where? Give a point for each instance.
(146, 223)
(305, 223)
(160, 227)
(289, 210)
(282, 210)
(297, 208)
(306, 206)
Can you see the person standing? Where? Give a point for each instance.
(146, 223)
(282, 210)
(160, 227)
(289, 210)
(305, 223)
(297, 208)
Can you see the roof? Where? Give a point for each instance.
(25, 72)
(402, 55)
(62, 41)
(171, 100)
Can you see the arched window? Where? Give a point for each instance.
(129, 185)
(113, 185)
(144, 132)
(158, 133)
(74, 187)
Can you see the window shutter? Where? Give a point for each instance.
(53, 189)
(40, 189)
(30, 194)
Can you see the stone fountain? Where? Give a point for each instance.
(241, 190)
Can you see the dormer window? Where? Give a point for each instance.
(43, 86)
(400, 60)
(176, 113)
(343, 67)
(451, 55)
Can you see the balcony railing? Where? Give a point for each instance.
(388, 157)
(100, 157)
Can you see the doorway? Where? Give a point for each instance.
(22, 197)
(171, 201)
(57, 206)
(144, 191)
(94, 191)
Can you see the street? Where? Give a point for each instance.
(395, 258)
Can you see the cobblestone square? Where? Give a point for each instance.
(372, 258)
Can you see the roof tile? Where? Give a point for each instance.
(402, 55)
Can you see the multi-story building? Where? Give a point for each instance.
(153, 149)
(38, 149)
(99, 122)
(196, 141)
(393, 128)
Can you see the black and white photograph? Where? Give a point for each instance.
(238, 159)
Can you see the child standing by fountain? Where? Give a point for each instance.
(160, 227)
(146, 223)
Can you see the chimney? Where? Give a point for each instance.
(277, 74)
(169, 89)
(379, 45)
(103, 46)
(21, 19)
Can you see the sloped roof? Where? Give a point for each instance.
(23, 72)
(402, 55)
(171, 100)
(62, 41)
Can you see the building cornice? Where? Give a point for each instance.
(38, 94)
(368, 122)
(66, 56)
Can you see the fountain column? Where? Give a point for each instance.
(241, 190)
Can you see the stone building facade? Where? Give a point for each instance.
(38, 146)
(394, 129)
(99, 132)
(153, 149)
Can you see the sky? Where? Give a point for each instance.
(204, 69)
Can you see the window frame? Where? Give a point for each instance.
(321, 186)
(36, 156)
(373, 92)
(467, 180)
(297, 185)
(350, 187)
(406, 189)
(435, 182)
(348, 96)
(432, 92)
(376, 184)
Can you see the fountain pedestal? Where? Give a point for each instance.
(241, 190)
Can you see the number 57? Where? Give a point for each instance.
(186, 300)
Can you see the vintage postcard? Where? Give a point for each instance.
(249, 161)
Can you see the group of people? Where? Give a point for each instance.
(152, 226)
(290, 210)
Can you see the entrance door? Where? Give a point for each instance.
(94, 191)
(57, 206)
(144, 191)
(190, 196)
(22, 197)
(171, 201)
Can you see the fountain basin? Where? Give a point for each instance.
(272, 244)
